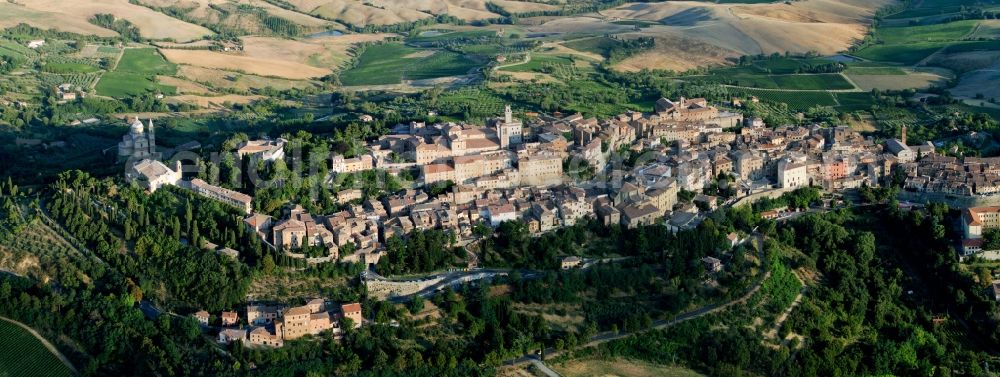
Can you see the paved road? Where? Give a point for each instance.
(544, 368)
(456, 278)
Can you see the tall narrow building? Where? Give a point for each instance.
(508, 129)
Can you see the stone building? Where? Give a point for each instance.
(138, 143)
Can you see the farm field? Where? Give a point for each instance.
(319, 52)
(68, 67)
(906, 54)
(441, 35)
(980, 83)
(213, 101)
(39, 252)
(727, 29)
(795, 99)
(136, 74)
(72, 16)
(631, 368)
(598, 45)
(926, 33)
(276, 58)
(246, 17)
(893, 81)
(183, 86)
(145, 61)
(123, 84)
(383, 12)
(256, 66)
(227, 80)
(392, 63)
(855, 70)
(830, 81)
(538, 63)
(784, 66)
(853, 101)
(21, 354)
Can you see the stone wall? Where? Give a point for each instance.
(384, 289)
(773, 194)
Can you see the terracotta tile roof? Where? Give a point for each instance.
(352, 307)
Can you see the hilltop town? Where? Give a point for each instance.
(513, 169)
(673, 166)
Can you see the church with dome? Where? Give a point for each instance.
(139, 143)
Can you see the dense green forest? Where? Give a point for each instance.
(890, 300)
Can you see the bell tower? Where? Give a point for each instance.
(152, 138)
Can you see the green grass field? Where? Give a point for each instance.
(426, 36)
(874, 71)
(145, 61)
(826, 81)
(15, 50)
(906, 54)
(782, 66)
(22, 355)
(914, 13)
(795, 100)
(136, 74)
(391, 63)
(124, 84)
(927, 33)
(599, 45)
(974, 46)
(821, 81)
(538, 62)
(854, 101)
(69, 67)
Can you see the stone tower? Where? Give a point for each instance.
(152, 137)
(508, 129)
